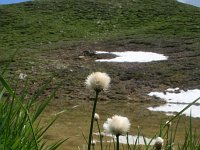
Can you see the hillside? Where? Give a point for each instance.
(50, 36)
(58, 38)
(67, 28)
(37, 23)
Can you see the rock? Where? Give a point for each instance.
(89, 53)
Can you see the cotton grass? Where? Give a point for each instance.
(158, 143)
(96, 117)
(117, 125)
(98, 81)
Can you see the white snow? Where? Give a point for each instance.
(177, 100)
(179, 97)
(172, 90)
(130, 56)
(131, 139)
(171, 108)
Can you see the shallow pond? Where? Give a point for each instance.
(131, 56)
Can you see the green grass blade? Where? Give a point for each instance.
(57, 144)
(43, 106)
(1, 93)
(179, 113)
(11, 92)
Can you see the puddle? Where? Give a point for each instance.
(12, 1)
(191, 2)
(129, 56)
(177, 100)
(131, 139)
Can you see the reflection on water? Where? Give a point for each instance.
(177, 100)
(130, 56)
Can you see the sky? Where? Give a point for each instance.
(12, 1)
(192, 2)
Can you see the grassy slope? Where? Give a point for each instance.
(32, 24)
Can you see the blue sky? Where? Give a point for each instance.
(11, 1)
(192, 2)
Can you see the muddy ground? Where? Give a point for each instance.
(70, 63)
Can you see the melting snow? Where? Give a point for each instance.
(129, 56)
(131, 139)
(171, 108)
(178, 96)
(177, 100)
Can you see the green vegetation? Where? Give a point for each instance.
(19, 120)
(50, 38)
(118, 125)
(20, 126)
(32, 24)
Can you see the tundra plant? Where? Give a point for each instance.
(158, 143)
(19, 124)
(117, 125)
(97, 81)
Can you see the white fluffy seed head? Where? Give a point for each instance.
(96, 117)
(158, 143)
(168, 123)
(98, 81)
(22, 76)
(117, 125)
(93, 142)
(102, 134)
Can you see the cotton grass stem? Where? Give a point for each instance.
(117, 137)
(11, 92)
(97, 81)
(100, 135)
(179, 113)
(92, 119)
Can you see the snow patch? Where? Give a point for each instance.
(177, 100)
(131, 139)
(130, 56)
